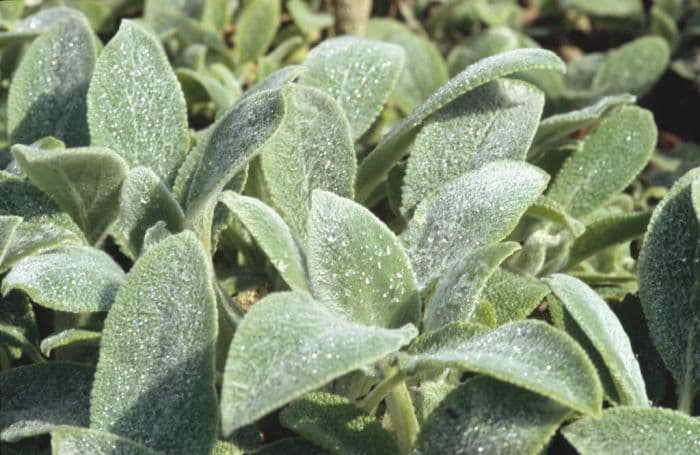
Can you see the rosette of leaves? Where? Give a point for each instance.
(148, 247)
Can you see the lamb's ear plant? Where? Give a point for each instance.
(458, 280)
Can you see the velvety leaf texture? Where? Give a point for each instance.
(79, 441)
(155, 378)
(495, 121)
(256, 28)
(610, 158)
(668, 283)
(49, 88)
(37, 398)
(312, 149)
(135, 104)
(488, 416)
(458, 292)
(530, 354)
(338, 425)
(274, 237)
(607, 335)
(8, 224)
(145, 200)
(69, 337)
(374, 168)
(287, 345)
(629, 430)
(424, 70)
(43, 225)
(84, 182)
(357, 265)
(478, 208)
(71, 278)
(358, 73)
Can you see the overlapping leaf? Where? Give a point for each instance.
(66, 440)
(288, 345)
(155, 378)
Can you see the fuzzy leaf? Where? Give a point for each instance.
(357, 265)
(135, 104)
(288, 345)
(35, 399)
(458, 293)
(312, 149)
(49, 88)
(495, 121)
(256, 28)
(559, 126)
(144, 201)
(358, 73)
(392, 147)
(530, 354)
(43, 226)
(8, 225)
(610, 158)
(69, 337)
(79, 441)
(84, 182)
(669, 273)
(606, 232)
(547, 210)
(273, 235)
(424, 70)
(634, 67)
(337, 425)
(71, 278)
(235, 138)
(643, 431)
(157, 387)
(605, 8)
(607, 335)
(488, 416)
(476, 209)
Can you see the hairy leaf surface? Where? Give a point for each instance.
(287, 345)
(357, 265)
(79, 441)
(155, 378)
(69, 337)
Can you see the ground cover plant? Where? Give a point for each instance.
(358, 227)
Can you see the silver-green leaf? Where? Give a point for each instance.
(84, 182)
(288, 345)
(135, 103)
(71, 278)
(358, 73)
(357, 265)
(66, 440)
(35, 399)
(607, 335)
(476, 209)
(155, 378)
(48, 94)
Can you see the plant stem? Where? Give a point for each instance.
(686, 394)
(372, 400)
(403, 416)
(685, 398)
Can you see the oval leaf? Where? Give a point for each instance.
(256, 28)
(84, 182)
(288, 345)
(312, 149)
(49, 88)
(135, 104)
(37, 398)
(495, 121)
(530, 354)
(476, 209)
(607, 335)
(155, 378)
(642, 431)
(610, 158)
(71, 278)
(69, 337)
(80, 441)
(357, 265)
(358, 73)
(668, 283)
(273, 235)
(392, 147)
(488, 416)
